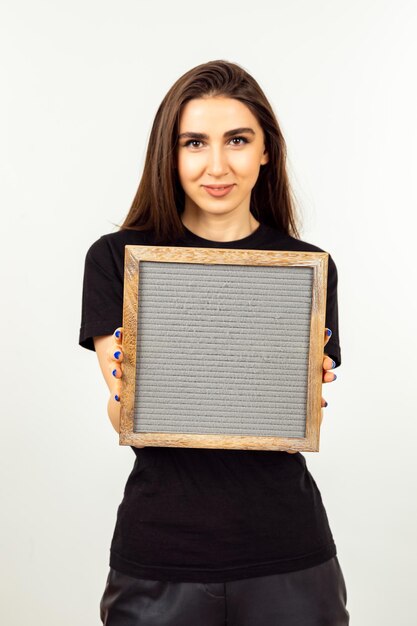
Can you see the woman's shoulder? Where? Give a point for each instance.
(106, 255)
(115, 242)
(289, 242)
(302, 245)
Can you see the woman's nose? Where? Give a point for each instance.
(217, 162)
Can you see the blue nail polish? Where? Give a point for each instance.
(326, 404)
(114, 372)
(117, 354)
(117, 333)
(116, 397)
(334, 364)
(329, 332)
(334, 377)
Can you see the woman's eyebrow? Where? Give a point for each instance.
(228, 133)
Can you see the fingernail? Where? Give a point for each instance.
(326, 404)
(334, 376)
(117, 354)
(334, 364)
(116, 397)
(114, 372)
(117, 333)
(329, 332)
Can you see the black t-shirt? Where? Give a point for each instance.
(200, 514)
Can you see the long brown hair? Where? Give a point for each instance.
(159, 199)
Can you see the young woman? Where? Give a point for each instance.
(212, 536)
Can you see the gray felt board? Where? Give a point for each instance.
(222, 349)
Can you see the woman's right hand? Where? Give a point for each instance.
(116, 359)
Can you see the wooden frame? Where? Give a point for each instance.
(145, 266)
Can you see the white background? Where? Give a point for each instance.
(81, 82)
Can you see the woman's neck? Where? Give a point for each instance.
(216, 229)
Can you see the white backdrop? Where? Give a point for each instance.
(81, 82)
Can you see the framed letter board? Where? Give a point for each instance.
(223, 348)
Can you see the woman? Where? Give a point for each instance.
(212, 536)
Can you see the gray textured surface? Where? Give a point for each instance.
(222, 349)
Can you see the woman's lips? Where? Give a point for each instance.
(219, 192)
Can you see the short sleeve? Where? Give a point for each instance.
(332, 348)
(102, 294)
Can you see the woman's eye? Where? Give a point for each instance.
(197, 141)
(187, 143)
(241, 138)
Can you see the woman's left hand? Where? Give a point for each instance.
(328, 377)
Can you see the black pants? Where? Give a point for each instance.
(310, 597)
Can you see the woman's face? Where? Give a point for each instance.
(220, 143)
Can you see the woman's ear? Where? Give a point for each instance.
(265, 157)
